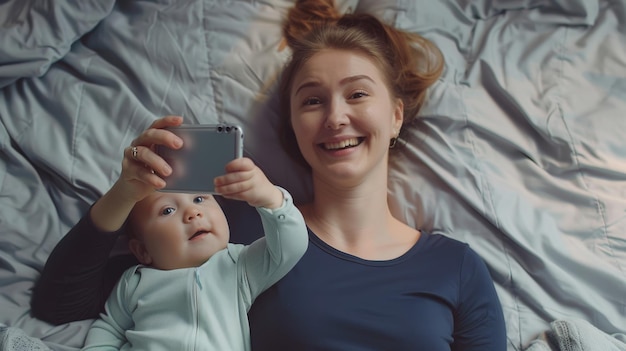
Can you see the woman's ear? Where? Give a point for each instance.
(398, 117)
(139, 250)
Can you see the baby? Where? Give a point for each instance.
(193, 289)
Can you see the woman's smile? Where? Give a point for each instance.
(343, 144)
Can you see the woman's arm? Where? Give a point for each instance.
(479, 322)
(78, 275)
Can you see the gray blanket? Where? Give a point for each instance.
(519, 151)
(577, 335)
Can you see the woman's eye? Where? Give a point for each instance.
(358, 94)
(198, 199)
(311, 101)
(167, 211)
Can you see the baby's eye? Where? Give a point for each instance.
(168, 211)
(198, 199)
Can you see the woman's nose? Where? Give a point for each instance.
(336, 116)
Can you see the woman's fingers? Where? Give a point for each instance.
(167, 121)
(143, 158)
(156, 136)
(143, 169)
(149, 176)
(142, 149)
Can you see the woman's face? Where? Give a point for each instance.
(344, 116)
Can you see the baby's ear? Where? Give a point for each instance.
(139, 250)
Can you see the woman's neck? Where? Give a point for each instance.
(357, 220)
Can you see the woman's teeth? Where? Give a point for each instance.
(342, 144)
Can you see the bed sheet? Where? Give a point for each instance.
(519, 150)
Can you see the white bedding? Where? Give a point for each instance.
(519, 150)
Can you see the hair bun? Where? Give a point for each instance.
(305, 15)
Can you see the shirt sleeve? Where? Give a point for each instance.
(78, 275)
(479, 321)
(269, 258)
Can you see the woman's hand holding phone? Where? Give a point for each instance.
(143, 170)
(141, 175)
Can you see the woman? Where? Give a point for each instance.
(367, 280)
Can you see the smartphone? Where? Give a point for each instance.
(206, 150)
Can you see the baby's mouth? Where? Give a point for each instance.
(198, 234)
(344, 144)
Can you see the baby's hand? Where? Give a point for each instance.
(245, 181)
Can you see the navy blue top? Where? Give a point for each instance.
(437, 296)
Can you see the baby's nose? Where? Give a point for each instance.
(193, 213)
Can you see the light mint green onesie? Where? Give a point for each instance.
(201, 308)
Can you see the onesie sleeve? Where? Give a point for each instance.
(479, 320)
(109, 331)
(269, 258)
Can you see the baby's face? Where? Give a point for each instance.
(179, 230)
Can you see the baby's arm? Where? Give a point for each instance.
(268, 259)
(109, 331)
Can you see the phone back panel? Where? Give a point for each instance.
(206, 151)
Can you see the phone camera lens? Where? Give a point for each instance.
(220, 129)
(227, 129)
